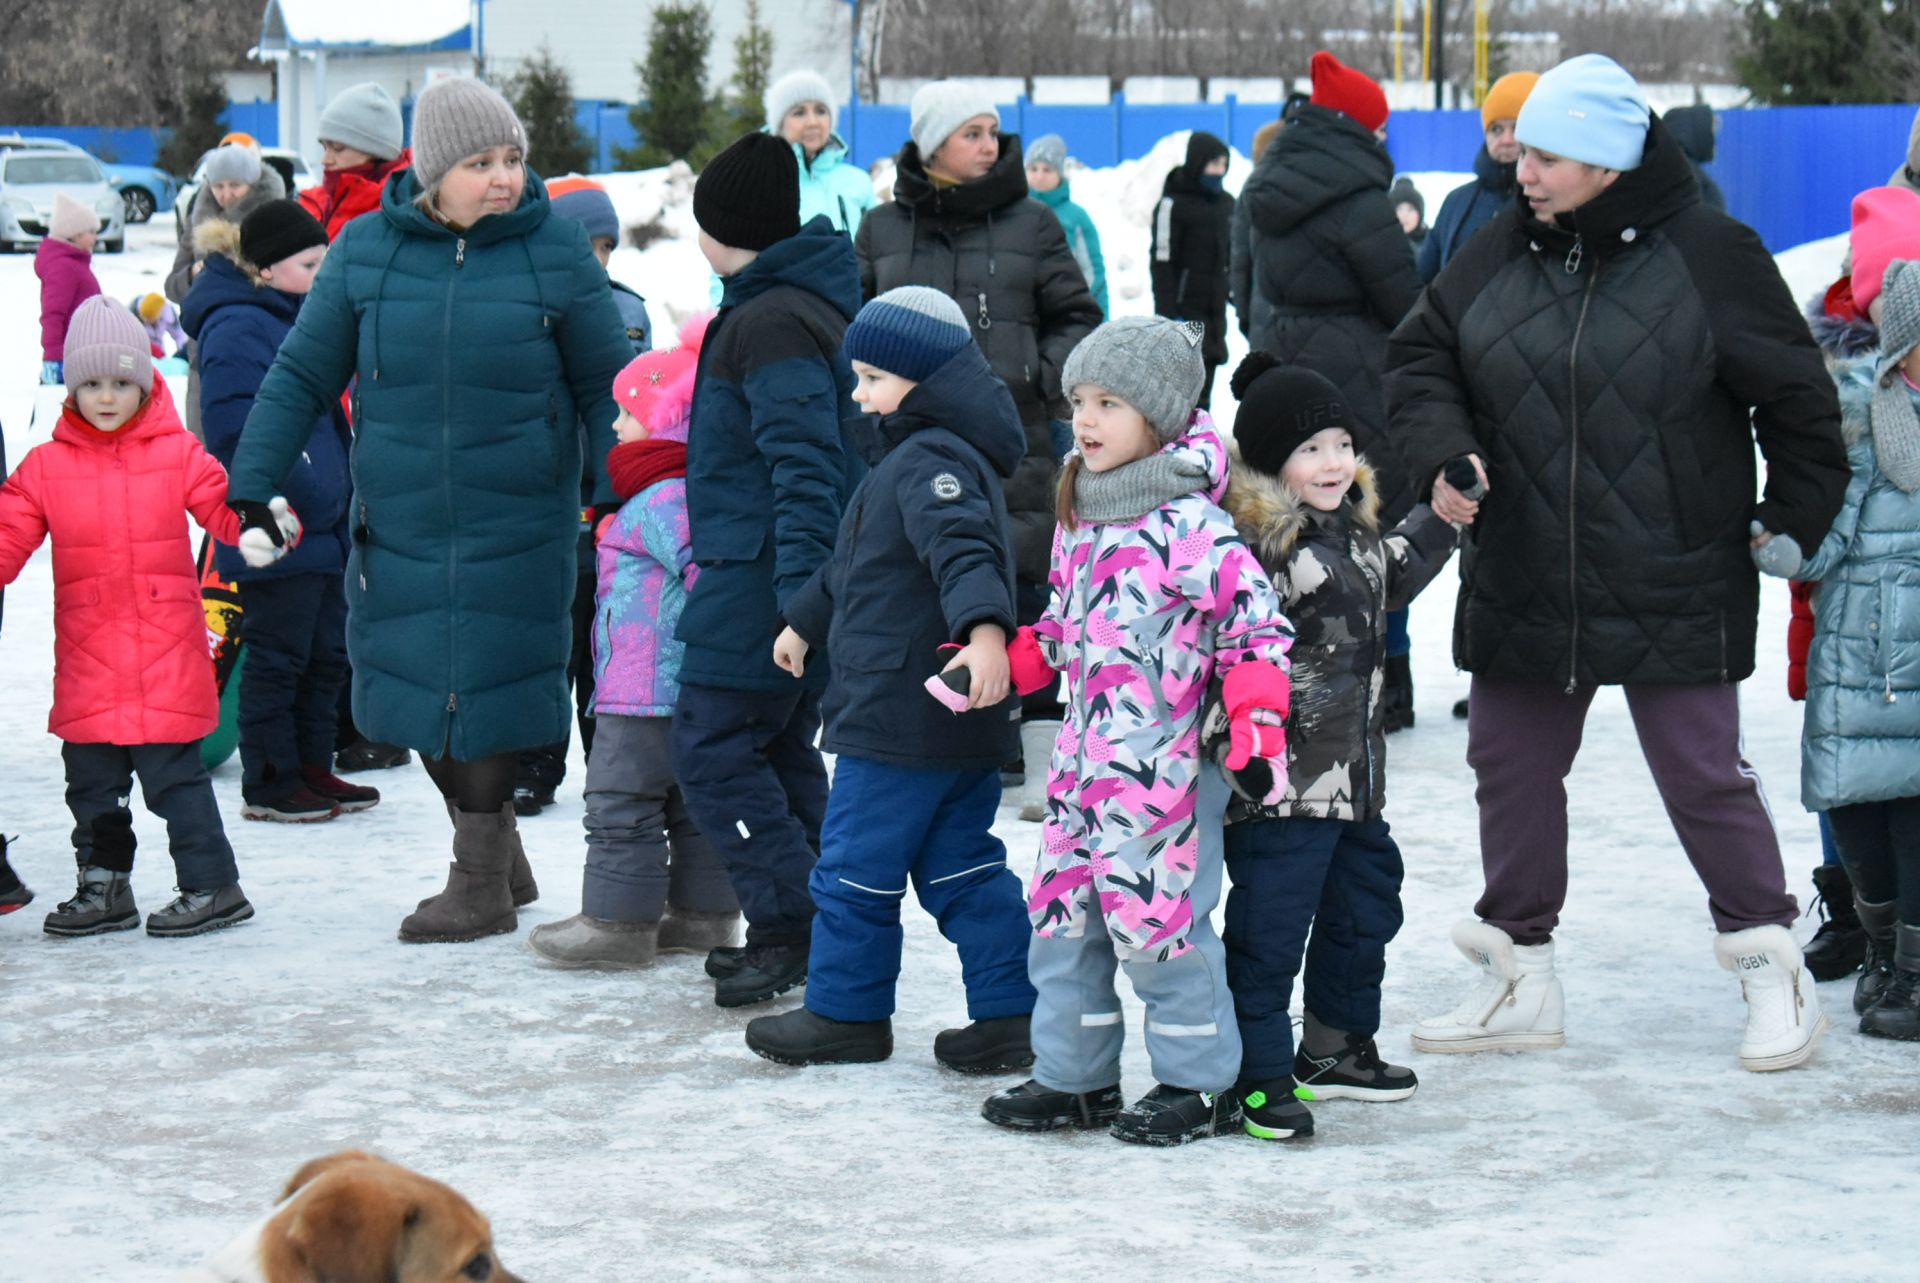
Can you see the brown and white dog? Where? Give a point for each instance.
(354, 1218)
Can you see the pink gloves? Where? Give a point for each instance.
(1028, 667)
(1257, 697)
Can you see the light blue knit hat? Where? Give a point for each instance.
(1587, 109)
(910, 331)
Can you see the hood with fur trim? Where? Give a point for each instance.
(1270, 514)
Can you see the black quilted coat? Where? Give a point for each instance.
(1613, 373)
(1003, 258)
(1334, 269)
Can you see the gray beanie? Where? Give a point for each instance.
(1151, 363)
(232, 164)
(1896, 428)
(793, 89)
(942, 107)
(365, 118)
(1051, 149)
(456, 118)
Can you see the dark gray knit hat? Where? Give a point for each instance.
(1151, 363)
(456, 118)
(366, 118)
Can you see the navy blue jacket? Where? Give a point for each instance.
(1467, 209)
(239, 327)
(925, 552)
(770, 458)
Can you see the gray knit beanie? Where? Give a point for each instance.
(456, 118)
(793, 89)
(1896, 428)
(1151, 363)
(232, 164)
(106, 341)
(1051, 149)
(942, 107)
(365, 118)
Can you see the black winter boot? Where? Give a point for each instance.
(1877, 923)
(1175, 1115)
(1033, 1107)
(1396, 697)
(1840, 945)
(367, 755)
(986, 1046)
(765, 972)
(13, 893)
(802, 1037)
(1896, 1014)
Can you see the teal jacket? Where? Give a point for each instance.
(830, 186)
(475, 357)
(1862, 737)
(1083, 238)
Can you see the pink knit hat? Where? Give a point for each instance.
(1886, 226)
(657, 387)
(106, 341)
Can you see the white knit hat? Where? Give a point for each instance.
(944, 106)
(70, 218)
(793, 89)
(232, 163)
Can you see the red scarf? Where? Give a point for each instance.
(632, 466)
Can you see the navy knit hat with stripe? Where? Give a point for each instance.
(910, 331)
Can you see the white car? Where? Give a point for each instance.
(292, 167)
(31, 171)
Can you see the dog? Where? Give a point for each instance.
(353, 1217)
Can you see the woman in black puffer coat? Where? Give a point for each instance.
(1329, 257)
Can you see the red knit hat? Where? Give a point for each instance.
(657, 387)
(1353, 94)
(1886, 226)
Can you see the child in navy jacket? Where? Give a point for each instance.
(923, 564)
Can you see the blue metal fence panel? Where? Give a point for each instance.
(1791, 172)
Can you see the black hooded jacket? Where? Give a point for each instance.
(1192, 246)
(924, 553)
(1004, 259)
(1335, 268)
(1692, 128)
(1613, 373)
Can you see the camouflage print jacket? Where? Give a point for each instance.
(1337, 577)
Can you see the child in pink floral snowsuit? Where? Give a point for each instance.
(1154, 596)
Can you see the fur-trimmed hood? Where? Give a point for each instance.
(218, 236)
(1270, 514)
(1838, 337)
(1855, 380)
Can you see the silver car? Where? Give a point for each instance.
(31, 172)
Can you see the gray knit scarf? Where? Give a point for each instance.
(1896, 428)
(1132, 490)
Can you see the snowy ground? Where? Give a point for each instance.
(158, 1093)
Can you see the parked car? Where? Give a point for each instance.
(31, 171)
(143, 189)
(291, 164)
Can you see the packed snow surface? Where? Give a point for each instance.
(615, 1127)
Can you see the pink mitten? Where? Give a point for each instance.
(1026, 664)
(1257, 697)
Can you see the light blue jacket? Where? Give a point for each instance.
(831, 186)
(1862, 736)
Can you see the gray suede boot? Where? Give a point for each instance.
(685, 931)
(520, 876)
(582, 942)
(476, 901)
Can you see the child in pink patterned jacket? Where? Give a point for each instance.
(652, 882)
(1154, 597)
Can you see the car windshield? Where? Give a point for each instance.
(52, 169)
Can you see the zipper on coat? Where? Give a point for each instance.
(1573, 473)
(460, 252)
(446, 487)
(1575, 255)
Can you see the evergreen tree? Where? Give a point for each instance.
(673, 118)
(1812, 52)
(203, 122)
(542, 96)
(752, 68)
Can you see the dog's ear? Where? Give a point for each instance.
(347, 1230)
(319, 1166)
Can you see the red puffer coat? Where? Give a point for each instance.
(346, 194)
(1799, 638)
(131, 663)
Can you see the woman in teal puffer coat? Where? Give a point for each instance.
(800, 110)
(478, 334)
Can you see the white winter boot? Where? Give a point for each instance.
(1036, 748)
(1517, 1007)
(1784, 1019)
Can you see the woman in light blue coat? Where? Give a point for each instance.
(800, 110)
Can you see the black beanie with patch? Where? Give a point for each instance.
(1281, 406)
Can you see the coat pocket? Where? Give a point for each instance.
(734, 537)
(869, 652)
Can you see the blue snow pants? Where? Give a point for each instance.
(1341, 878)
(887, 825)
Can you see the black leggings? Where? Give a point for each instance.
(1880, 845)
(484, 785)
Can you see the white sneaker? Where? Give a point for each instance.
(1036, 749)
(1784, 1019)
(1518, 1005)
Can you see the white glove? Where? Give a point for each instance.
(267, 536)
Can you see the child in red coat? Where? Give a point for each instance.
(133, 688)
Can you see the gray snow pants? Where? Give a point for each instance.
(1522, 738)
(643, 853)
(1193, 1040)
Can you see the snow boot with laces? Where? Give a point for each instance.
(193, 913)
(1175, 1115)
(1035, 1107)
(1896, 1013)
(476, 901)
(348, 797)
(102, 902)
(1517, 1006)
(1784, 1020)
(1332, 1064)
(1877, 923)
(1840, 945)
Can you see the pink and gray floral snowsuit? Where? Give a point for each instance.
(1142, 616)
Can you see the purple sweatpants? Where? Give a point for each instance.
(1521, 741)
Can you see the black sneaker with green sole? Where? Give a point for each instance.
(1273, 1112)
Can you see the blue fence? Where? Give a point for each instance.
(140, 146)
